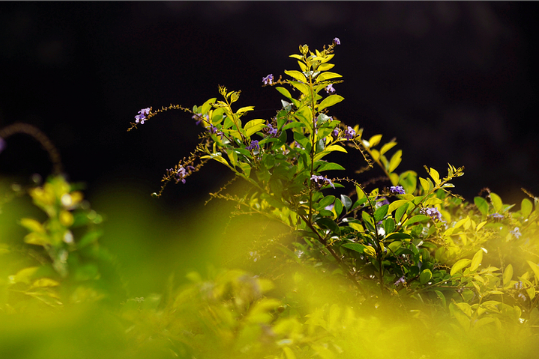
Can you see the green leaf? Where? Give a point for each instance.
(398, 235)
(395, 160)
(380, 213)
(368, 220)
(346, 201)
(328, 166)
(326, 201)
(389, 225)
(482, 205)
(460, 264)
(355, 247)
(476, 261)
(425, 276)
(441, 296)
(338, 207)
(329, 224)
(415, 219)
(526, 207)
(496, 202)
(400, 212)
(293, 125)
(296, 74)
(330, 101)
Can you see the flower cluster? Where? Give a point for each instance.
(253, 146)
(324, 180)
(268, 80)
(141, 117)
(330, 89)
(182, 173)
(497, 216)
(397, 189)
(401, 280)
(432, 212)
(271, 130)
(349, 133)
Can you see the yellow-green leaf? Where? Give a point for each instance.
(425, 276)
(460, 264)
(375, 155)
(535, 269)
(326, 76)
(526, 207)
(325, 67)
(395, 161)
(374, 140)
(435, 176)
(284, 91)
(32, 225)
(335, 148)
(496, 202)
(387, 147)
(254, 126)
(507, 274)
(330, 101)
(476, 261)
(424, 184)
(296, 74)
(396, 204)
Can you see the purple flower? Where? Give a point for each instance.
(253, 145)
(516, 232)
(496, 216)
(337, 41)
(200, 118)
(335, 132)
(522, 296)
(141, 117)
(2, 144)
(400, 281)
(322, 178)
(268, 80)
(330, 89)
(329, 207)
(518, 285)
(272, 131)
(383, 201)
(397, 189)
(349, 133)
(298, 145)
(181, 174)
(432, 212)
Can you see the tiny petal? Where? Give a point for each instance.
(268, 80)
(337, 41)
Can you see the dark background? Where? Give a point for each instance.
(455, 82)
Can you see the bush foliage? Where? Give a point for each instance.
(384, 263)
